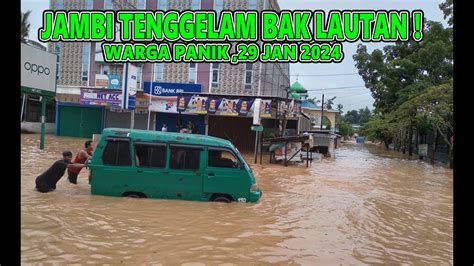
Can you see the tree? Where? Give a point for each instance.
(380, 128)
(436, 106)
(403, 78)
(345, 129)
(339, 113)
(364, 115)
(352, 117)
(313, 100)
(329, 102)
(447, 8)
(25, 25)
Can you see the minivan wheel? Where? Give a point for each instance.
(222, 199)
(134, 195)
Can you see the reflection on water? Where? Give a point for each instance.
(366, 206)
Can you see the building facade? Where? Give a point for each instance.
(81, 65)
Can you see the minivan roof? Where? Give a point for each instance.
(168, 137)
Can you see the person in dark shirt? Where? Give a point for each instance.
(46, 182)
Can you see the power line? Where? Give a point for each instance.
(326, 75)
(336, 88)
(354, 95)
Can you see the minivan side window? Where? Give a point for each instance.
(184, 158)
(222, 158)
(147, 155)
(117, 152)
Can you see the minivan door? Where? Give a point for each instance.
(185, 171)
(152, 176)
(225, 174)
(113, 175)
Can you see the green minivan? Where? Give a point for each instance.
(165, 165)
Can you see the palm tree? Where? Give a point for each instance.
(25, 25)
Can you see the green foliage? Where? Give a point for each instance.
(345, 129)
(360, 117)
(313, 100)
(447, 8)
(352, 117)
(25, 25)
(329, 103)
(380, 128)
(411, 83)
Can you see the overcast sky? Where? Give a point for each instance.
(351, 98)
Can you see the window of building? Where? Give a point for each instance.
(105, 69)
(85, 61)
(218, 6)
(252, 4)
(192, 73)
(196, 4)
(99, 57)
(163, 5)
(109, 4)
(117, 152)
(222, 159)
(89, 4)
(184, 158)
(59, 4)
(158, 72)
(150, 155)
(248, 76)
(141, 4)
(139, 77)
(215, 75)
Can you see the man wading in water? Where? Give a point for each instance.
(81, 158)
(46, 182)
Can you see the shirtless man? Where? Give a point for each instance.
(81, 158)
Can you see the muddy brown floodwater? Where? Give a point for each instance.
(366, 206)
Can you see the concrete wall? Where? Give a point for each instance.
(35, 127)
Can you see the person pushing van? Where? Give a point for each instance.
(81, 157)
(46, 182)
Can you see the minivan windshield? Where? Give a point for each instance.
(241, 158)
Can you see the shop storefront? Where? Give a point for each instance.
(164, 106)
(75, 120)
(231, 117)
(119, 118)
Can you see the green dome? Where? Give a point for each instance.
(294, 95)
(297, 87)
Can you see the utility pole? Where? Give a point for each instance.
(132, 119)
(150, 95)
(43, 121)
(22, 107)
(322, 112)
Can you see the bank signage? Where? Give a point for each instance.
(38, 70)
(100, 97)
(164, 95)
(167, 90)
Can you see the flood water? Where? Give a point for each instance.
(366, 206)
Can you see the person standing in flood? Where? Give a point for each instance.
(47, 181)
(81, 157)
(164, 128)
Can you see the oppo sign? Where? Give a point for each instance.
(38, 69)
